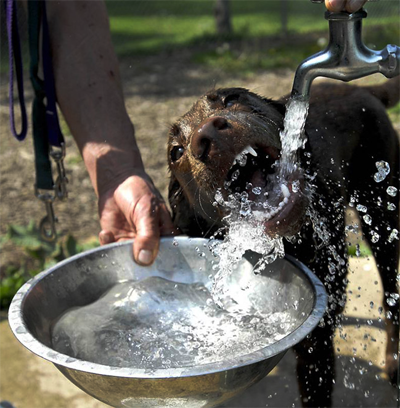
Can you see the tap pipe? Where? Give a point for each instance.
(346, 56)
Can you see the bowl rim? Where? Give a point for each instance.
(26, 338)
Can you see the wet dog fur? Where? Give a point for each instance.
(348, 132)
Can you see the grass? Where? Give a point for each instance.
(394, 113)
(146, 27)
(143, 27)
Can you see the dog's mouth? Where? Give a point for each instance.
(278, 201)
(251, 169)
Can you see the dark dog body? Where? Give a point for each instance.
(348, 132)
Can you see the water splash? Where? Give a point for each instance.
(244, 231)
(246, 225)
(156, 323)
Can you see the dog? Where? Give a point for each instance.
(350, 158)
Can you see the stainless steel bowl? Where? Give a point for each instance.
(82, 279)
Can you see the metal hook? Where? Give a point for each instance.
(60, 185)
(47, 225)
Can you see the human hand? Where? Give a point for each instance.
(350, 6)
(135, 209)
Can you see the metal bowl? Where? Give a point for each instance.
(82, 279)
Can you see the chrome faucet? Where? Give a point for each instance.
(346, 56)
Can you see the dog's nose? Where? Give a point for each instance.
(205, 139)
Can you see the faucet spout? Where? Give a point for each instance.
(346, 57)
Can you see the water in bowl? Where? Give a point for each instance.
(156, 323)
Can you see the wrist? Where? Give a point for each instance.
(109, 165)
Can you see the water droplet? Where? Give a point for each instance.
(352, 228)
(256, 190)
(383, 170)
(393, 235)
(391, 207)
(310, 350)
(367, 219)
(392, 191)
(296, 186)
(361, 208)
(390, 301)
(235, 175)
(348, 384)
(218, 197)
(383, 167)
(374, 237)
(175, 243)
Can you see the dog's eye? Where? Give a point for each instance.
(230, 100)
(177, 153)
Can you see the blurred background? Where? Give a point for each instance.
(170, 53)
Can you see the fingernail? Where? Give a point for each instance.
(105, 237)
(145, 257)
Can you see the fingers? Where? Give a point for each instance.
(354, 5)
(151, 222)
(106, 237)
(146, 221)
(350, 6)
(135, 209)
(335, 5)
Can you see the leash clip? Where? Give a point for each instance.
(60, 185)
(47, 225)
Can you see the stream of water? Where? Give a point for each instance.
(245, 228)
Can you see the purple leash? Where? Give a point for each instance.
(14, 46)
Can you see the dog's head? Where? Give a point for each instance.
(229, 142)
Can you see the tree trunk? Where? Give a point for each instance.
(223, 17)
(284, 17)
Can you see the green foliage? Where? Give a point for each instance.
(363, 248)
(39, 255)
(14, 278)
(394, 113)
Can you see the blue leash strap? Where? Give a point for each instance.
(15, 57)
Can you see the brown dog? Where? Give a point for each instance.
(348, 133)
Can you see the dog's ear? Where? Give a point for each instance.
(183, 214)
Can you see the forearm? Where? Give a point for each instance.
(89, 90)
